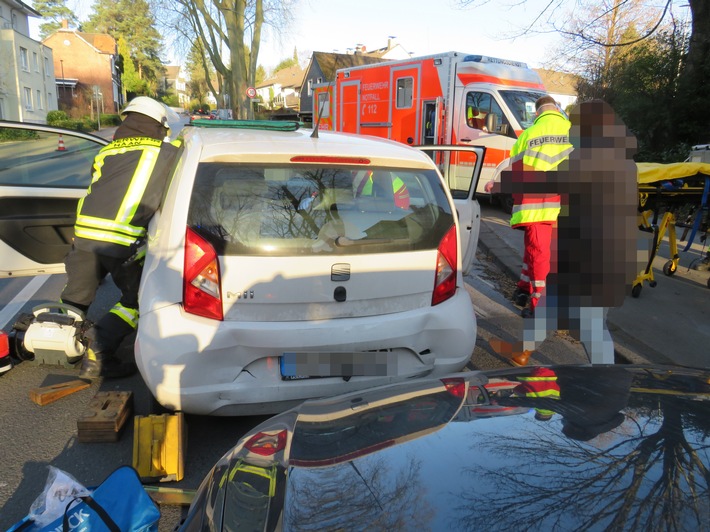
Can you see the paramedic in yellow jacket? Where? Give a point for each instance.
(541, 147)
(365, 185)
(128, 180)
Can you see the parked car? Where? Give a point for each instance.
(619, 448)
(281, 266)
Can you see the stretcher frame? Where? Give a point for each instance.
(661, 192)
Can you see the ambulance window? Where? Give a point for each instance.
(478, 106)
(323, 105)
(404, 92)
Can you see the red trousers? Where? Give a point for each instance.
(536, 260)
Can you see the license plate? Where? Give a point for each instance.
(305, 365)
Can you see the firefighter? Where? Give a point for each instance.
(128, 179)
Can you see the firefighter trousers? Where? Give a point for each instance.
(536, 260)
(85, 271)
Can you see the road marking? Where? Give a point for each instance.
(14, 306)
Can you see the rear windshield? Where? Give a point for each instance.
(301, 210)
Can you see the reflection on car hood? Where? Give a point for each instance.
(566, 447)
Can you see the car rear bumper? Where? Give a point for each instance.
(201, 366)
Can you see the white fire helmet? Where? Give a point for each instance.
(149, 107)
(155, 110)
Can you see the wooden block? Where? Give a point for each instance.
(105, 417)
(48, 394)
(159, 447)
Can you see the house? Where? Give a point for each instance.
(89, 71)
(391, 52)
(281, 90)
(27, 88)
(175, 82)
(561, 86)
(322, 68)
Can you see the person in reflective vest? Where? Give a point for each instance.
(541, 147)
(540, 383)
(365, 185)
(128, 179)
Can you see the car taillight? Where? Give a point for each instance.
(455, 386)
(202, 288)
(266, 444)
(446, 260)
(4, 344)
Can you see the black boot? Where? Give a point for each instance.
(521, 298)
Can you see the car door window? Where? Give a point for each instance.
(38, 158)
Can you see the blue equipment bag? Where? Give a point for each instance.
(118, 504)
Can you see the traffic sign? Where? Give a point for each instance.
(251, 92)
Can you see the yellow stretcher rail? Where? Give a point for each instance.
(661, 188)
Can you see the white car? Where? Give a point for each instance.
(282, 266)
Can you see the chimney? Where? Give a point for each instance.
(65, 24)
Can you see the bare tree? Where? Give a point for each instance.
(230, 31)
(691, 111)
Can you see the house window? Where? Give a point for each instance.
(24, 59)
(49, 101)
(310, 87)
(39, 100)
(404, 92)
(28, 99)
(46, 66)
(2, 107)
(35, 61)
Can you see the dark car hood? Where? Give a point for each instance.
(598, 448)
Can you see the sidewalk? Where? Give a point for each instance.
(668, 324)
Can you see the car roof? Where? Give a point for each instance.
(232, 144)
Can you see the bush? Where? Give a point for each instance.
(75, 125)
(7, 135)
(56, 116)
(110, 120)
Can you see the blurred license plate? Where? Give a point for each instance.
(304, 365)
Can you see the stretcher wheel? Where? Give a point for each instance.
(669, 268)
(636, 290)
(652, 284)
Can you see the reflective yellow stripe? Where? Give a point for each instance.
(93, 234)
(537, 379)
(543, 393)
(129, 315)
(138, 184)
(109, 225)
(535, 215)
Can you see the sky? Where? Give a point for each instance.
(421, 27)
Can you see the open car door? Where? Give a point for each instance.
(44, 171)
(461, 167)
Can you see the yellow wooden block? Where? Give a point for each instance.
(159, 447)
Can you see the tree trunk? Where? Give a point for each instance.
(693, 106)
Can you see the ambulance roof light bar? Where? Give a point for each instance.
(488, 59)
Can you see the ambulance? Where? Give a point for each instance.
(444, 99)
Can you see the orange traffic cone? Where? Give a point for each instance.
(61, 144)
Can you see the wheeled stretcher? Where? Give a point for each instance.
(677, 194)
